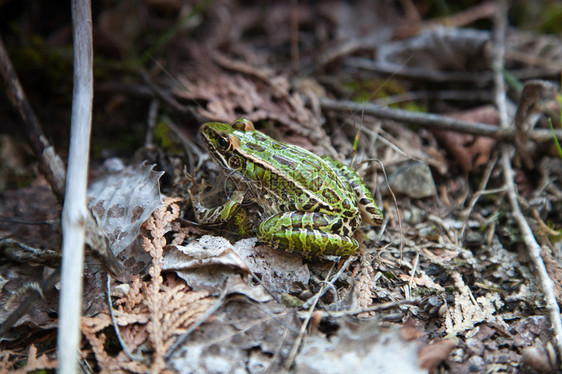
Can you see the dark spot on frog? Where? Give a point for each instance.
(337, 225)
(329, 195)
(364, 201)
(372, 210)
(284, 161)
(278, 146)
(308, 205)
(255, 147)
(346, 204)
(260, 138)
(348, 213)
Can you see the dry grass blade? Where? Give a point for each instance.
(75, 213)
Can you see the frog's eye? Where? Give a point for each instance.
(243, 124)
(223, 143)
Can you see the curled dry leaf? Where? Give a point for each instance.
(122, 200)
(205, 264)
(208, 262)
(232, 89)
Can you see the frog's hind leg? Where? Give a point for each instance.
(370, 212)
(308, 233)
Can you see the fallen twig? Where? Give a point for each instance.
(300, 337)
(533, 247)
(547, 284)
(375, 308)
(408, 72)
(435, 121)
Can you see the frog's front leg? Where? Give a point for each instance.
(220, 214)
(308, 233)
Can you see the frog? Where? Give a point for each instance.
(291, 198)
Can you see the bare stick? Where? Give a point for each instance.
(534, 252)
(528, 237)
(434, 120)
(50, 164)
(500, 27)
(75, 213)
(300, 337)
(376, 308)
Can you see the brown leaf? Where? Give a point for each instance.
(410, 331)
(470, 151)
(433, 354)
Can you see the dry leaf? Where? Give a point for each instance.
(470, 151)
(358, 348)
(122, 200)
(465, 314)
(433, 354)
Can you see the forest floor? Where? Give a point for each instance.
(450, 113)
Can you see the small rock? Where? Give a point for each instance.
(413, 179)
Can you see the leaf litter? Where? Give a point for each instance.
(450, 272)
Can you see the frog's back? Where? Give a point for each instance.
(293, 173)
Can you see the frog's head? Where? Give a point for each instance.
(223, 141)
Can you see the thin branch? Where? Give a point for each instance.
(50, 164)
(300, 337)
(429, 75)
(375, 308)
(534, 252)
(500, 28)
(481, 191)
(528, 237)
(434, 120)
(75, 212)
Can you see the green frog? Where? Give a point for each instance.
(291, 198)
